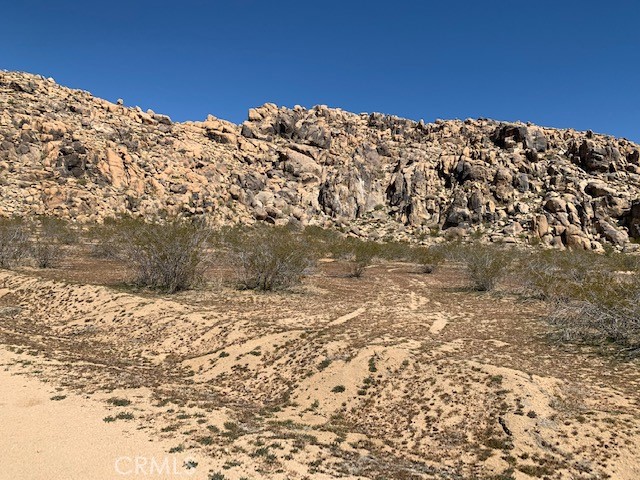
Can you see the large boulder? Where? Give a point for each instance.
(299, 165)
(593, 157)
(632, 220)
(614, 235)
(508, 135)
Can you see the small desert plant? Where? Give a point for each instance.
(167, 256)
(268, 258)
(14, 238)
(486, 265)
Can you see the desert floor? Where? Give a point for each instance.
(396, 375)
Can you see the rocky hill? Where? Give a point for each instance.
(64, 152)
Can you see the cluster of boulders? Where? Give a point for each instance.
(64, 152)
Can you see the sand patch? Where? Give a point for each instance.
(438, 325)
(348, 316)
(67, 439)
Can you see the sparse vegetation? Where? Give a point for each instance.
(14, 239)
(166, 256)
(486, 265)
(268, 258)
(428, 259)
(49, 235)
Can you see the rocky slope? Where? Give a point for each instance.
(67, 153)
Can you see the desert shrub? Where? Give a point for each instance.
(359, 254)
(321, 240)
(395, 251)
(48, 237)
(554, 275)
(591, 297)
(14, 238)
(486, 265)
(269, 257)
(601, 308)
(104, 238)
(627, 262)
(428, 259)
(168, 256)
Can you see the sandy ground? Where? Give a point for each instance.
(395, 375)
(44, 436)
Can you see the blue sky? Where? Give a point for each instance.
(560, 63)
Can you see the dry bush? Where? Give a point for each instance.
(14, 241)
(168, 256)
(554, 275)
(486, 265)
(49, 235)
(592, 297)
(269, 257)
(602, 308)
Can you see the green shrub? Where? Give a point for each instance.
(486, 265)
(167, 256)
(599, 309)
(395, 251)
(592, 298)
(359, 254)
(428, 259)
(269, 257)
(554, 275)
(102, 238)
(320, 239)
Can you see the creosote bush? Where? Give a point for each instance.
(428, 259)
(14, 238)
(486, 265)
(359, 253)
(557, 275)
(592, 297)
(269, 257)
(168, 256)
(601, 308)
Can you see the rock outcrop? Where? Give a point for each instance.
(64, 152)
